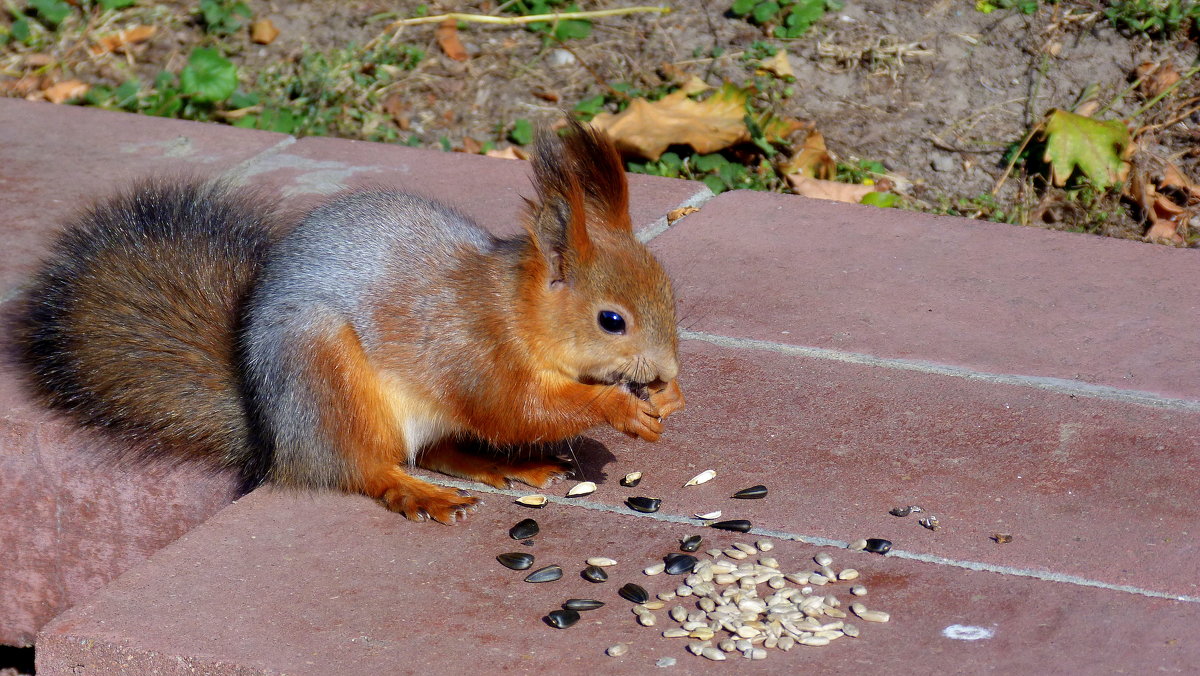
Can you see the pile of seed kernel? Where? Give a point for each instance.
(728, 615)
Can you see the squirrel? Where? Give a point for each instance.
(382, 330)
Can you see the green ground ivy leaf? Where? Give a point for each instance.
(208, 76)
(1096, 148)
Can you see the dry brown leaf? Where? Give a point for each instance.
(828, 190)
(118, 41)
(676, 214)
(1166, 218)
(509, 153)
(263, 31)
(813, 159)
(1155, 78)
(25, 85)
(65, 91)
(447, 38)
(471, 146)
(778, 64)
(647, 129)
(37, 60)
(694, 85)
(1174, 178)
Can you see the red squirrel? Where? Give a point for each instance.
(382, 330)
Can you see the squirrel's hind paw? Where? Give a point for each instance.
(418, 501)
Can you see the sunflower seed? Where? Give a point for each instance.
(601, 561)
(594, 574)
(878, 545)
(617, 650)
(691, 543)
(858, 590)
(737, 525)
(647, 619)
(848, 574)
(582, 604)
(526, 528)
(634, 593)
(752, 493)
(858, 545)
(869, 615)
(532, 500)
(641, 504)
(547, 574)
(850, 630)
(654, 569)
(516, 560)
(561, 619)
(749, 549)
(632, 479)
(675, 633)
(678, 564)
(823, 559)
(713, 654)
(764, 545)
(582, 488)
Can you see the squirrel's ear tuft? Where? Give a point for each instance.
(596, 163)
(557, 221)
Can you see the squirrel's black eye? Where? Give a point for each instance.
(611, 321)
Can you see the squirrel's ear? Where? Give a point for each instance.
(557, 221)
(596, 163)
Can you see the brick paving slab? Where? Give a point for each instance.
(55, 160)
(280, 583)
(1087, 487)
(487, 189)
(892, 283)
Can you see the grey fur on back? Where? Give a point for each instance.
(326, 273)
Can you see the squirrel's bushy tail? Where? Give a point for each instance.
(132, 323)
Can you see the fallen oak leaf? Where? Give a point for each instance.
(1094, 147)
(263, 31)
(65, 91)
(1155, 78)
(828, 190)
(447, 39)
(813, 159)
(1166, 219)
(121, 39)
(647, 129)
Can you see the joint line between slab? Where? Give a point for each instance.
(979, 566)
(1059, 385)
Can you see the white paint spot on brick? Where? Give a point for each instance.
(966, 632)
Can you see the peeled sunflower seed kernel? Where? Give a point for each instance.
(654, 569)
(601, 561)
(582, 488)
(547, 574)
(526, 528)
(848, 574)
(858, 545)
(823, 559)
(703, 477)
(617, 650)
(532, 500)
(764, 545)
(516, 560)
(858, 590)
(631, 480)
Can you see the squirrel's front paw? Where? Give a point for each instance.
(633, 416)
(417, 503)
(668, 398)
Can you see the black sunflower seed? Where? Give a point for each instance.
(647, 505)
(525, 528)
(752, 493)
(561, 619)
(878, 545)
(678, 564)
(691, 543)
(582, 604)
(594, 574)
(634, 593)
(738, 525)
(547, 574)
(516, 560)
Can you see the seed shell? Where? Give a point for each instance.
(535, 501)
(634, 593)
(878, 545)
(752, 493)
(691, 543)
(516, 560)
(641, 504)
(678, 564)
(561, 619)
(547, 574)
(582, 604)
(707, 516)
(594, 574)
(632, 479)
(703, 477)
(900, 511)
(582, 488)
(737, 525)
(525, 528)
